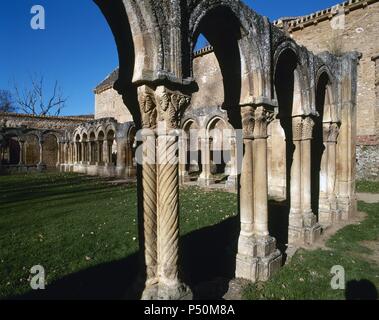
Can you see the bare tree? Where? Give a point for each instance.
(6, 102)
(32, 100)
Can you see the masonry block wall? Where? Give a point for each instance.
(352, 26)
(109, 104)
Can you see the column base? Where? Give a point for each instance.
(326, 218)
(231, 183)
(304, 235)
(120, 171)
(41, 167)
(131, 172)
(184, 177)
(246, 259)
(162, 291)
(270, 258)
(246, 267)
(312, 234)
(258, 258)
(177, 291)
(347, 207)
(205, 182)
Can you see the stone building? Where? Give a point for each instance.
(283, 117)
(350, 26)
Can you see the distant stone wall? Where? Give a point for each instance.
(109, 104)
(40, 122)
(350, 26)
(367, 162)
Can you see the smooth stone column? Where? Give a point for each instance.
(246, 259)
(311, 227)
(332, 160)
(295, 228)
(325, 213)
(22, 152)
(205, 178)
(269, 257)
(121, 157)
(232, 181)
(41, 165)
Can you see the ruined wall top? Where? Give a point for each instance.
(296, 23)
(14, 120)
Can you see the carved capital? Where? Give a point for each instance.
(147, 104)
(307, 128)
(171, 106)
(262, 118)
(248, 121)
(297, 128)
(331, 132)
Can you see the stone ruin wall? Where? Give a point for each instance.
(40, 123)
(355, 28)
(109, 104)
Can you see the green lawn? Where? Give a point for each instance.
(82, 228)
(68, 223)
(367, 186)
(308, 274)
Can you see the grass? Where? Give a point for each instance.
(367, 186)
(308, 274)
(68, 223)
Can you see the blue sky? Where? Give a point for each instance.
(77, 48)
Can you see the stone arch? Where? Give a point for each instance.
(191, 148)
(31, 148)
(289, 52)
(288, 89)
(323, 148)
(247, 43)
(326, 81)
(217, 130)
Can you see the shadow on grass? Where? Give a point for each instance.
(207, 260)
(361, 290)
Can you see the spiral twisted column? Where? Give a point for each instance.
(171, 105)
(149, 190)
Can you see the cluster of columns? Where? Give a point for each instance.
(257, 258)
(205, 143)
(329, 212)
(303, 225)
(22, 153)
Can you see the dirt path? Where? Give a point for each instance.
(368, 197)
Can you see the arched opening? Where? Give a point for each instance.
(111, 148)
(93, 148)
(192, 150)
(222, 30)
(288, 94)
(11, 150)
(31, 149)
(324, 154)
(78, 150)
(131, 163)
(219, 151)
(84, 147)
(50, 151)
(100, 138)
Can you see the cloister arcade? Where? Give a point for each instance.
(286, 133)
(296, 111)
